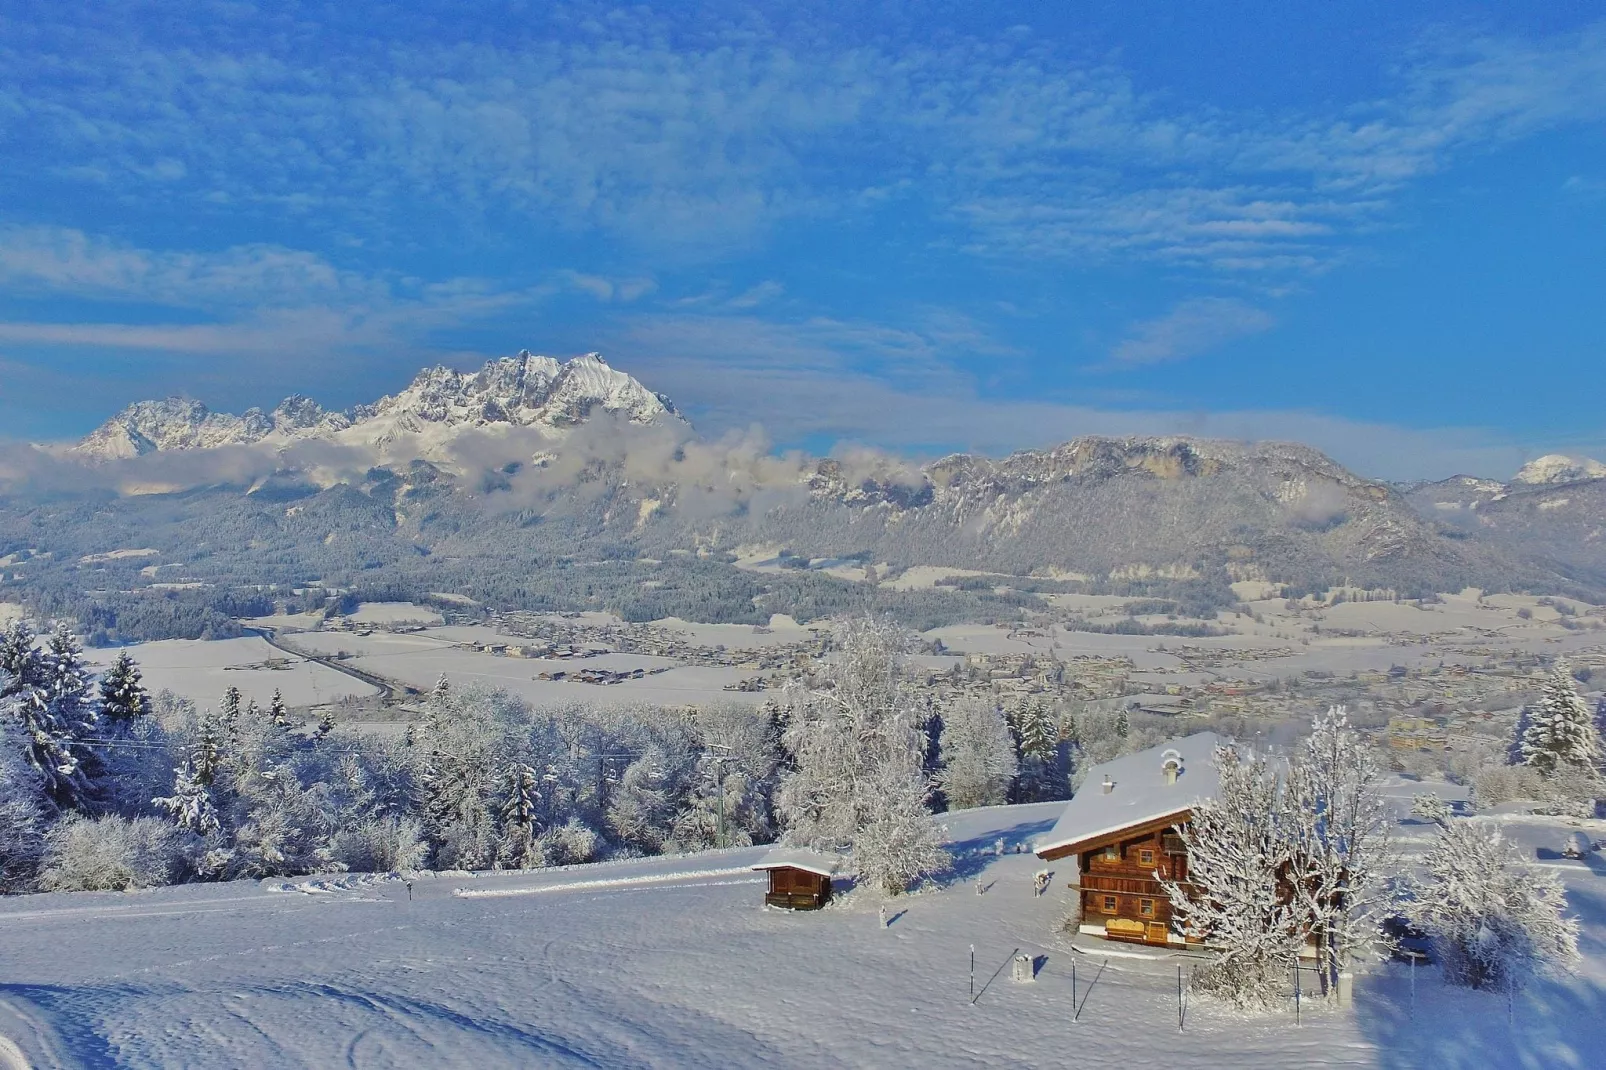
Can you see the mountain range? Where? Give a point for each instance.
(501, 483)
(523, 391)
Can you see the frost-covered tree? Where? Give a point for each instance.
(978, 755)
(1339, 832)
(1429, 807)
(277, 715)
(1042, 774)
(859, 779)
(521, 804)
(48, 695)
(123, 698)
(207, 754)
(229, 709)
(22, 808)
(1560, 734)
(1495, 920)
(1238, 849)
(190, 806)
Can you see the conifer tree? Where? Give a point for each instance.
(1560, 735)
(49, 695)
(207, 753)
(191, 806)
(276, 711)
(521, 801)
(229, 709)
(123, 698)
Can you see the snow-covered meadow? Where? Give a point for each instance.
(675, 962)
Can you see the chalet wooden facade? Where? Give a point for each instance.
(1120, 831)
(798, 879)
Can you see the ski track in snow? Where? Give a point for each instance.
(612, 882)
(676, 963)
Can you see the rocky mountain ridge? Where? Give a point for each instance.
(1164, 513)
(521, 391)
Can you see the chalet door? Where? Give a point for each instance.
(1158, 933)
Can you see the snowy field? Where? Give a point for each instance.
(675, 963)
(201, 670)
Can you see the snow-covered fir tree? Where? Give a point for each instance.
(1042, 770)
(1238, 849)
(1340, 844)
(1495, 920)
(978, 755)
(277, 714)
(521, 803)
(22, 807)
(48, 695)
(1560, 734)
(123, 698)
(208, 752)
(858, 750)
(229, 709)
(190, 806)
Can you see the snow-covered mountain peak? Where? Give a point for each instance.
(1557, 468)
(526, 390)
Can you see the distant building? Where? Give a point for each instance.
(1121, 828)
(799, 879)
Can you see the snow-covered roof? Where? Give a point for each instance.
(1140, 791)
(801, 858)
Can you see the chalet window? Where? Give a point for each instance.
(1146, 856)
(1146, 907)
(1172, 843)
(1112, 853)
(1109, 904)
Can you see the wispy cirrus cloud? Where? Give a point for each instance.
(1016, 147)
(1192, 327)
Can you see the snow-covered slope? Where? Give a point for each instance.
(523, 391)
(1557, 468)
(675, 963)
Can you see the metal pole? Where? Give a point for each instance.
(973, 973)
(1179, 996)
(1076, 1009)
(1296, 992)
(1413, 986)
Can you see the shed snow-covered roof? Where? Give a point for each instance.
(802, 858)
(1140, 791)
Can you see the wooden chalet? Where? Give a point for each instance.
(800, 879)
(1121, 828)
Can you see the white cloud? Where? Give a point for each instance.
(1193, 327)
(800, 384)
(1020, 148)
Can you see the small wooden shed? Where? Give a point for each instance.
(800, 879)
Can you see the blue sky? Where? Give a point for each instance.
(1373, 227)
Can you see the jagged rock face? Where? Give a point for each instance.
(524, 391)
(1556, 468)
